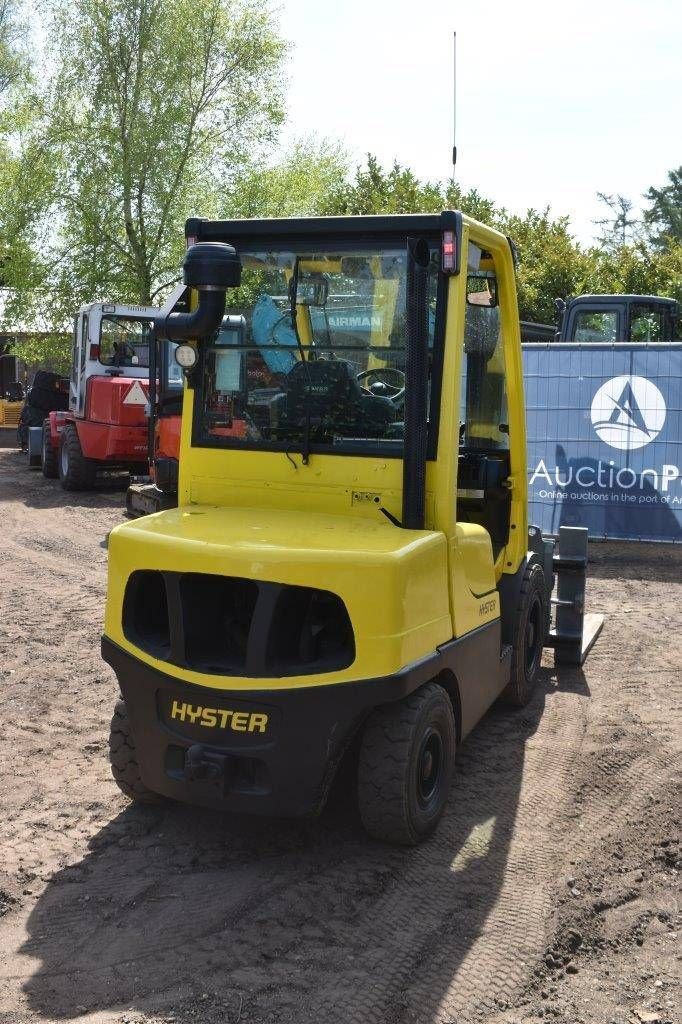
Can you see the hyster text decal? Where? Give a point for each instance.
(218, 718)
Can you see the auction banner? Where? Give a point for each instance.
(604, 425)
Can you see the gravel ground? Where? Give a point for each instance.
(549, 891)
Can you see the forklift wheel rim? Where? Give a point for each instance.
(64, 459)
(429, 766)
(533, 636)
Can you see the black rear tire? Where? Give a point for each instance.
(123, 759)
(406, 764)
(530, 624)
(50, 455)
(76, 473)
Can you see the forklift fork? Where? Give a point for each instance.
(574, 632)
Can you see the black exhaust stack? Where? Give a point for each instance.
(416, 372)
(211, 268)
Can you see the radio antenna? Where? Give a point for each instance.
(454, 105)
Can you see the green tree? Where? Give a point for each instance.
(618, 226)
(12, 57)
(473, 204)
(154, 106)
(551, 263)
(309, 180)
(634, 269)
(398, 190)
(664, 214)
(25, 170)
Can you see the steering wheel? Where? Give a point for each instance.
(383, 382)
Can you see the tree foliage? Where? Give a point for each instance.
(634, 269)
(618, 226)
(397, 190)
(552, 263)
(13, 61)
(310, 179)
(663, 217)
(154, 106)
(155, 110)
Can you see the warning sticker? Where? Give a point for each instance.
(136, 395)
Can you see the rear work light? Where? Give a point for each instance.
(449, 252)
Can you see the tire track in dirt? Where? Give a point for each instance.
(187, 913)
(473, 959)
(430, 899)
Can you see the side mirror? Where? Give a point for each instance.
(482, 331)
(482, 327)
(312, 291)
(482, 290)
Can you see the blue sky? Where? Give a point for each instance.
(555, 101)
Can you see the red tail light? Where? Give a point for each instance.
(449, 252)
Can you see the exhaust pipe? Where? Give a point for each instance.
(211, 268)
(416, 373)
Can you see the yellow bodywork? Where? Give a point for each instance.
(267, 517)
(393, 583)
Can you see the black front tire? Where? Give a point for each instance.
(123, 759)
(530, 626)
(406, 764)
(76, 473)
(50, 457)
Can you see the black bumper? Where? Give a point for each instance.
(269, 752)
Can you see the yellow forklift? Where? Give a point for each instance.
(349, 572)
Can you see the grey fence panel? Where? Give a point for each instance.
(604, 425)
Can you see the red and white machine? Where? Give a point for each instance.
(106, 426)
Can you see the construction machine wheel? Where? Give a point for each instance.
(76, 473)
(123, 761)
(529, 637)
(49, 460)
(405, 768)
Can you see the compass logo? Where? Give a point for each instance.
(628, 412)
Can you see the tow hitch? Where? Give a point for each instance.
(203, 766)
